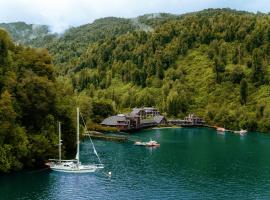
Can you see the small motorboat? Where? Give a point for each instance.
(220, 129)
(138, 143)
(241, 132)
(151, 143)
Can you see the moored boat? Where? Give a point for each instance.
(73, 166)
(241, 132)
(220, 129)
(151, 143)
(138, 143)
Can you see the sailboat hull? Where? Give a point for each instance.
(74, 168)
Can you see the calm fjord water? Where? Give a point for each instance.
(190, 164)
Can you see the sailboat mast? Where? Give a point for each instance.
(60, 142)
(78, 135)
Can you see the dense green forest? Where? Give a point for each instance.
(26, 33)
(214, 63)
(29, 107)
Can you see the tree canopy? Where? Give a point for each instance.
(214, 63)
(28, 106)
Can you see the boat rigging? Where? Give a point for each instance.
(74, 166)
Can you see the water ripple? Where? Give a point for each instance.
(190, 164)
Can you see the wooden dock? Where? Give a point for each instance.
(102, 136)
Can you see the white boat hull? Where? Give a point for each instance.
(139, 143)
(74, 167)
(74, 170)
(241, 132)
(151, 143)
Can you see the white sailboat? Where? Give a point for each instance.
(73, 166)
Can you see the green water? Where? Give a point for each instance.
(190, 164)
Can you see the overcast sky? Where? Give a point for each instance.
(61, 14)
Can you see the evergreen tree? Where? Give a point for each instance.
(258, 73)
(243, 91)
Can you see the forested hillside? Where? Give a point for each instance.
(214, 63)
(30, 107)
(66, 48)
(26, 33)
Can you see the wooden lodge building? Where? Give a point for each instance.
(145, 112)
(190, 120)
(138, 118)
(148, 117)
(122, 122)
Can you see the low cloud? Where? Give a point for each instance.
(61, 14)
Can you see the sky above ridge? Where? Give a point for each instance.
(62, 14)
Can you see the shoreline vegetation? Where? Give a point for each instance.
(215, 63)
